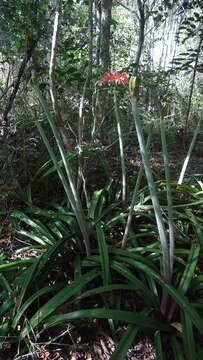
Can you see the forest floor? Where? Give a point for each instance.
(101, 349)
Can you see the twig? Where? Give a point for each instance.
(26, 356)
(127, 8)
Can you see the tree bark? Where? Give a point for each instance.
(106, 6)
(142, 21)
(87, 93)
(98, 29)
(87, 85)
(30, 48)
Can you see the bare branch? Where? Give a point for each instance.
(127, 8)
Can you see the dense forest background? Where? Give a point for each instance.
(101, 182)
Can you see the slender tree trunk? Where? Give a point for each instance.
(106, 6)
(87, 85)
(98, 29)
(30, 48)
(103, 102)
(142, 20)
(87, 93)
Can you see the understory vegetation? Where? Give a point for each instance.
(101, 183)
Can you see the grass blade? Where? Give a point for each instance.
(177, 349)
(63, 295)
(177, 296)
(39, 230)
(183, 303)
(190, 268)
(188, 337)
(104, 255)
(31, 299)
(124, 344)
(70, 188)
(138, 284)
(185, 164)
(133, 255)
(138, 319)
(27, 278)
(158, 346)
(154, 197)
(187, 274)
(108, 288)
(16, 264)
(94, 202)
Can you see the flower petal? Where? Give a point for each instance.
(116, 77)
(124, 78)
(107, 77)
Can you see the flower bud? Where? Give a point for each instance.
(134, 87)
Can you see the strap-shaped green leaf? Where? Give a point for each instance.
(63, 295)
(158, 346)
(124, 343)
(104, 255)
(129, 317)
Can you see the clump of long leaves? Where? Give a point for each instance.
(51, 282)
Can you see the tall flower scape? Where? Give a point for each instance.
(118, 79)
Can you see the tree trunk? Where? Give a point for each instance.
(106, 6)
(98, 29)
(142, 20)
(30, 48)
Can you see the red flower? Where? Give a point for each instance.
(107, 77)
(124, 78)
(116, 78)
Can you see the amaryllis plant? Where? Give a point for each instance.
(118, 79)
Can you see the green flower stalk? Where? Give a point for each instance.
(118, 79)
(133, 85)
(134, 198)
(169, 193)
(121, 148)
(186, 161)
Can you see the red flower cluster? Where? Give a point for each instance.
(116, 78)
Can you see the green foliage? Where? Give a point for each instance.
(108, 271)
(47, 280)
(190, 24)
(22, 23)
